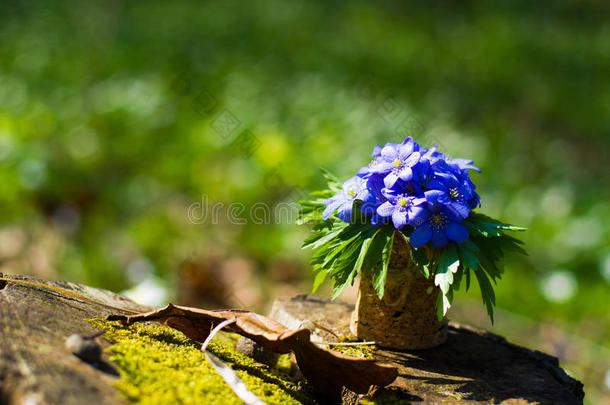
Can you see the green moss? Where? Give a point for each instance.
(160, 365)
(365, 351)
(284, 364)
(384, 398)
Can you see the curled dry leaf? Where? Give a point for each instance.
(326, 370)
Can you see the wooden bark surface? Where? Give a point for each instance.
(471, 367)
(35, 367)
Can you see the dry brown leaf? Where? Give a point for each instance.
(326, 370)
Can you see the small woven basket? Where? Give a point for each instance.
(405, 318)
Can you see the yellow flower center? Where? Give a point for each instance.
(438, 221)
(397, 163)
(403, 202)
(351, 193)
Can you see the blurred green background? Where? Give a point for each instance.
(117, 119)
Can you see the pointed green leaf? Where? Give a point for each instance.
(381, 274)
(468, 255)
(318, 280)
(487, 293)
(333, 182)
(419, 257)
(366, 243)
(442, 305)
(448, 264)
(374, 255)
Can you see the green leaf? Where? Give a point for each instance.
(325, 194)
(468, 244)
(343, 270)
(420, 259)
(318, 280)
(442, 305)
(487, 293)
(505, 227)
(479, 224)
(448, 264)
(366, 243)
(476, 228)
(468, 255)
(333, 182)
(315, 241)
(457, 278)
(337, 251)
(381, 274)
(511, 244)
(346, 278)
(374, 255)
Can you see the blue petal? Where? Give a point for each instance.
(333, 204)
(365, 195)
(376, 151)
(421, 171)
(345, 211)
(412, 159)
(399, 218)
(385, 209)
(390, 180)
(377, 220)
(437, 185)
(475, 201)
(465, 191)
(462, 162)
(388, 152)
(390, 193)
(408, 139)
(364, 172)
(381, 168)
(457, 232)
(436, 196)
(459, 209)
(369, 207)
(354, 183)
(418, 215)
(418, 201)
(471, 167)
(449, 180)
(405, 150)
(439, 239)
(405, 174)
(465, 164)
(421, 235)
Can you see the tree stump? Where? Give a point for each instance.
(471, 367)
(35, 365)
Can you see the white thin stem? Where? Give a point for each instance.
(231, 378)
(214, 331)
(345, 343)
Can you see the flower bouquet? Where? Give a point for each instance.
(406, 224)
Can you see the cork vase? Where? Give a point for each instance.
(405, 318)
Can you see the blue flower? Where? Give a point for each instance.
(343, 202)
(441, 226)
(396, 162)
(407, 185)
(450, 188)
(376, 151)
(375, 196)
(403, 209)
(432, 155)
(464, 164)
